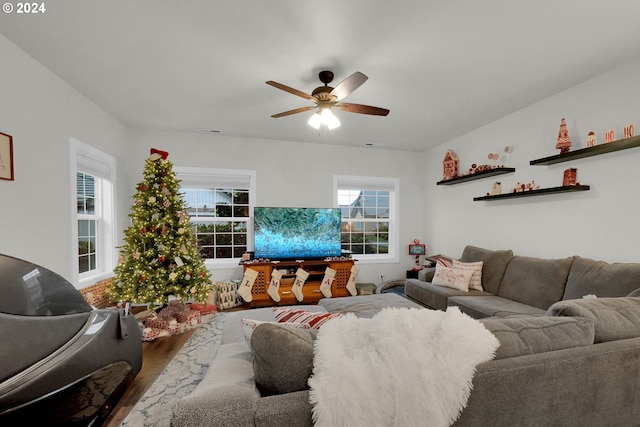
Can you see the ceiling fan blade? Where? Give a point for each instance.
(348, 85)
(362, 109)
(290, 90)
(297, 110)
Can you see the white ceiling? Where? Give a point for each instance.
(442, 67)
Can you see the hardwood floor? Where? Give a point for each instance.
(156, 355)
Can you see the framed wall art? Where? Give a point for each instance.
(6, 156)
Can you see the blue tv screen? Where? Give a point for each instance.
(296, 233)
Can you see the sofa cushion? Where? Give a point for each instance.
(433, 296)
(366, 306)
(602, 279)
(293, 315)
(535, 281)
(282, 358)
(454, 278)
(494, 265)
(479, 307)
(233, 330)
(614, 318)
(531, 335)
(476, 279)
(250, 325)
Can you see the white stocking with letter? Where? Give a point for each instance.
(247, 283)
(351, 284)
(325, 286)
(274, 285)
(298, 283)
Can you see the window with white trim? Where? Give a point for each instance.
(220, 205)
(94, 230)
(369, 208)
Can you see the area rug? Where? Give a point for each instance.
(180, 377)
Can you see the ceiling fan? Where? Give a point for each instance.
(325, 97)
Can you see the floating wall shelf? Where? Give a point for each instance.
(540, 192)
(477, 175)
(608, 147)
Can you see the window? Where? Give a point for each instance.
(88, 222)
(369, 216)
(93, 229)
(220, 203)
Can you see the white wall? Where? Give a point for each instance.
(601, 223)
(294, 174)
(42, 113)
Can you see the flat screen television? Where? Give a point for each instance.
(296, 233)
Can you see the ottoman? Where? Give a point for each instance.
(366, 305)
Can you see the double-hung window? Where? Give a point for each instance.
(220, 206)
(369, 210)
(94, 231)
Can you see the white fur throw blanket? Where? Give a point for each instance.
(403, 367)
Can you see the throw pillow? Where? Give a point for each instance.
(452, 278)
(312, 318)
(249, 325)
(476, 279)
(282, 358)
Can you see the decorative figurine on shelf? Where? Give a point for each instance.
(520, 187)
(628, 130)
(450, 165)
(564, 142)
(609, 135)
(496, 189)
(570, 177)
(475, 168)
(591, 139)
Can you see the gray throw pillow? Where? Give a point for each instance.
(519, 336)
(614, 318)
(282, 358)
(494, 264)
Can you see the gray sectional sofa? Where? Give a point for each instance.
(516, 285)
(578, 364)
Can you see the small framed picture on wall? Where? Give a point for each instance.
(417, 249)
(6, 156)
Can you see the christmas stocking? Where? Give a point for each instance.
(325, 286)
(274, 285)
(351, 284)
(298, 283)
(247, 283)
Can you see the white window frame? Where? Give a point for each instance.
(87, 159)
(392, 185)
(199, 177)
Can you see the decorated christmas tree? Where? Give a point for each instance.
(159, 258)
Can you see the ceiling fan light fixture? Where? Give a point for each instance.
(329, 119)
(315, 121)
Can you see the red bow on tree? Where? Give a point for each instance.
(158, 154)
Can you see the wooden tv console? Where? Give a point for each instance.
(311, 289)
